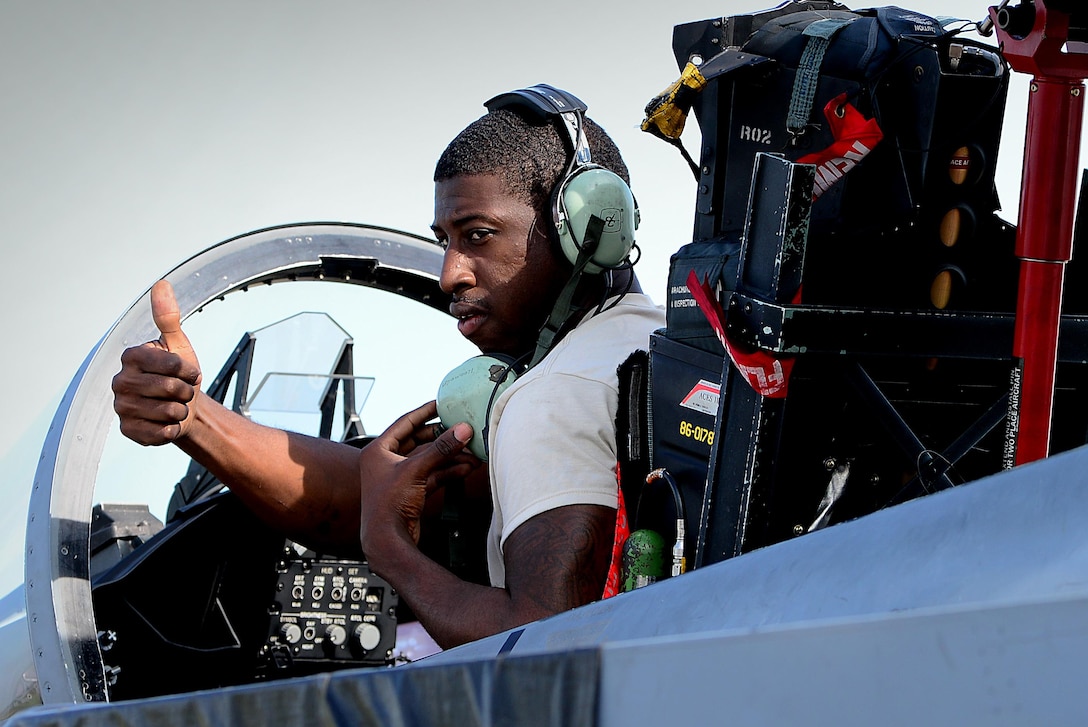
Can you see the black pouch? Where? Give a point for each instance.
(715, 261)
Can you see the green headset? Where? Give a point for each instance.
(594, 217)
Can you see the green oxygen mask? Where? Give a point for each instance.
(468, 393)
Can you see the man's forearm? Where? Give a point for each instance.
(453, 611)
(555, 561)
(301, 485)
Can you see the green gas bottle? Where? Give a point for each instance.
(643, 560)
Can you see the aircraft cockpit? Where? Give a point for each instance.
(214, 597)
(156, 592)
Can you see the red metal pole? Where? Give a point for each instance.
(1034, 40)
(1044, 244)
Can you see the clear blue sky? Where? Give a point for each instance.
(137, 134)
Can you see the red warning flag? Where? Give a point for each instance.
(767, 375)
(855, 136)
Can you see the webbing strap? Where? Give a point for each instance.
(946, 20)
(819, 36)
(564, 303)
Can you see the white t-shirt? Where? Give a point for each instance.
(552, 437)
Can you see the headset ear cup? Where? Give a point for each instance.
(468, 392)
(593, 191)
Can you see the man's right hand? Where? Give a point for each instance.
(156, 392)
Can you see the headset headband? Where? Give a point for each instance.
(545, 102)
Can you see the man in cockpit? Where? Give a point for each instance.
(519, 290)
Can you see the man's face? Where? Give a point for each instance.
(501, 270)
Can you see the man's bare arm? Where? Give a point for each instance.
(554, 562)
(301, 485)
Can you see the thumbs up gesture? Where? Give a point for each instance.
(156, 392)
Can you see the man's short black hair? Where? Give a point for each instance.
(531, 156)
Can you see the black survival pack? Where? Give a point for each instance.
(902, 117)
(852, 366)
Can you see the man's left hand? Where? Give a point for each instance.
(400, 468)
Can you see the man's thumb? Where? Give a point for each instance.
(167, 317)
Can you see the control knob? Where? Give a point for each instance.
(367, 636)
(291, 633)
